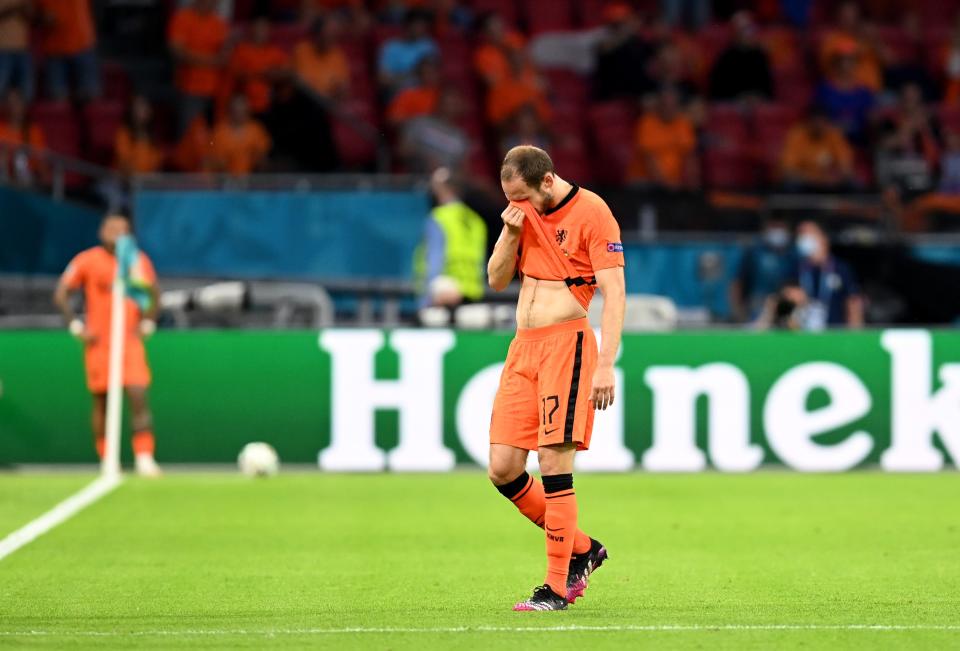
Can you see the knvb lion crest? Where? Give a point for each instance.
(561, 235)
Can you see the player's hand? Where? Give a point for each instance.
(79, 330)
(601, 392)
(147, 327)
(513, 219)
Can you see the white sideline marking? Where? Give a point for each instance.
(58, 514)
(652, 628)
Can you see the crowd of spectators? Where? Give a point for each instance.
(673, 96)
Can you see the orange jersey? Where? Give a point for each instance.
(586, 231)
(248, 68)
(198, 34)
(69, 29)
(93, 271)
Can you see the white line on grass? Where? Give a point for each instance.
(625, 628)
(58, 514)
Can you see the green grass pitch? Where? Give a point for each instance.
(765, 561)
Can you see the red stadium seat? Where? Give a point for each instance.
(506, 8)
(611, 125)
(728, 170)
(549, 16)
(566, 86)
(726, 124)
(116, 81)
(356, 150)
(949, 117)
(59, 126)
(103, 118)
(287, 35)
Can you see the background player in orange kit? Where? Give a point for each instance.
(554, 376)
(93, 271)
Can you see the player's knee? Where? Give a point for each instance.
(501, 474)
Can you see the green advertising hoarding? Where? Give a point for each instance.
(419, 400)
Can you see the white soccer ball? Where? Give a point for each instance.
(258, 460)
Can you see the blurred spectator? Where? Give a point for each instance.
(68, 41)
(198, 43)
(135, 149)
(852, 37)
(816, 155)
(908, 149)
(352, 13)
(829, 294)
(451, 16)
(692, 13)
(399, 56)
(491, 59)
(451, 263)
(950, 165)
(623, 56)
(525, 128)
(194, 149)
(320, 62)
(254, 66)
(417, 100)
(742, 71)
(17, 130)
(240, 143)
(951, 64)
(845, 99)
(765, 267)
(16, 61)
(909, 65)
(665, 146)
(520, 87)
(670, 68)
(431, 141)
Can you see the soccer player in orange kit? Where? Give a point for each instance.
(93, 271)
(554, 376)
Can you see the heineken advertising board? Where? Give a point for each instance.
(419, 400)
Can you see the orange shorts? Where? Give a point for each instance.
(544, 394)
(96, 358)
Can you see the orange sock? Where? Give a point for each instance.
(100, 444)
(143, 443)
(560, 527)
(527, 495)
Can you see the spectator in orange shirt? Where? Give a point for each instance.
(16, 131)
(16, 61)
(193, 151)
(852, 36)
(135, 149)
(665, 147)
(417, 100)
(816, 155)
(320, 62)
(68, 41)
(240, 143)
(255, 64)
(491, 58)
(198, 40)
(521, 87)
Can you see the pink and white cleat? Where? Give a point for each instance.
(581, 567)
(543, 598)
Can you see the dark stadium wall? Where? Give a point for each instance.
(420, 399)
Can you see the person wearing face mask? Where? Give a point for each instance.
(828, 291)
(764, 269)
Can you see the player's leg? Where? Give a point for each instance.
(143, 441)
(98, 422)
(564, 387)
(560, 516)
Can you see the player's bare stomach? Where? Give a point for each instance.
(546, 302)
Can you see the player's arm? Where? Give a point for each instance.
(61, 298)
(503, 263)
(612, 285)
